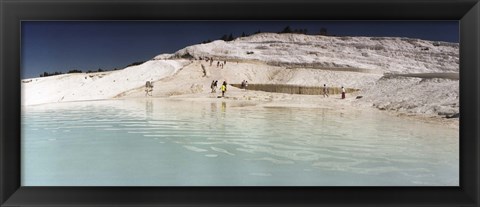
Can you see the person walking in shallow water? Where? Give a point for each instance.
(215, 86)
(343, 92)
(212, 86)
(224, 88)
(325, 90)
(148, 88)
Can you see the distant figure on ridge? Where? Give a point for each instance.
(148, 88)
(343, 92)
(325, 90)
(204, 70)
(218, 63)
(246, 85)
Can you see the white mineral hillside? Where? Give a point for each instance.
(95, 86)
(381, 67)
(384, 54)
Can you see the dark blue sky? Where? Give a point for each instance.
(49, 46)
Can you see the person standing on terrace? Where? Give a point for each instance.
(325, 90)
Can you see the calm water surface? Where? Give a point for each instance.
(158, 142)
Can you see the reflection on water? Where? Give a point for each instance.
(224, 107)
(167, 142)
(149, 107)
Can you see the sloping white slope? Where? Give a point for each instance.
(414, 95)
(387, 54)
(94, 86)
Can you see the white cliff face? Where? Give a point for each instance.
(387, 54)
(429, 97)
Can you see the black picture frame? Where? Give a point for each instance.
(14, 11)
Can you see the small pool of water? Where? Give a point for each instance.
(160, 142)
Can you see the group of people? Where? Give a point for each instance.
(219, 64)
(210, 59)
(325, 91)
(148, 88)
(223, 87)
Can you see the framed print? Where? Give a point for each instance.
(239, 103)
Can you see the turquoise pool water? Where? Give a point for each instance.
(159, 142)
